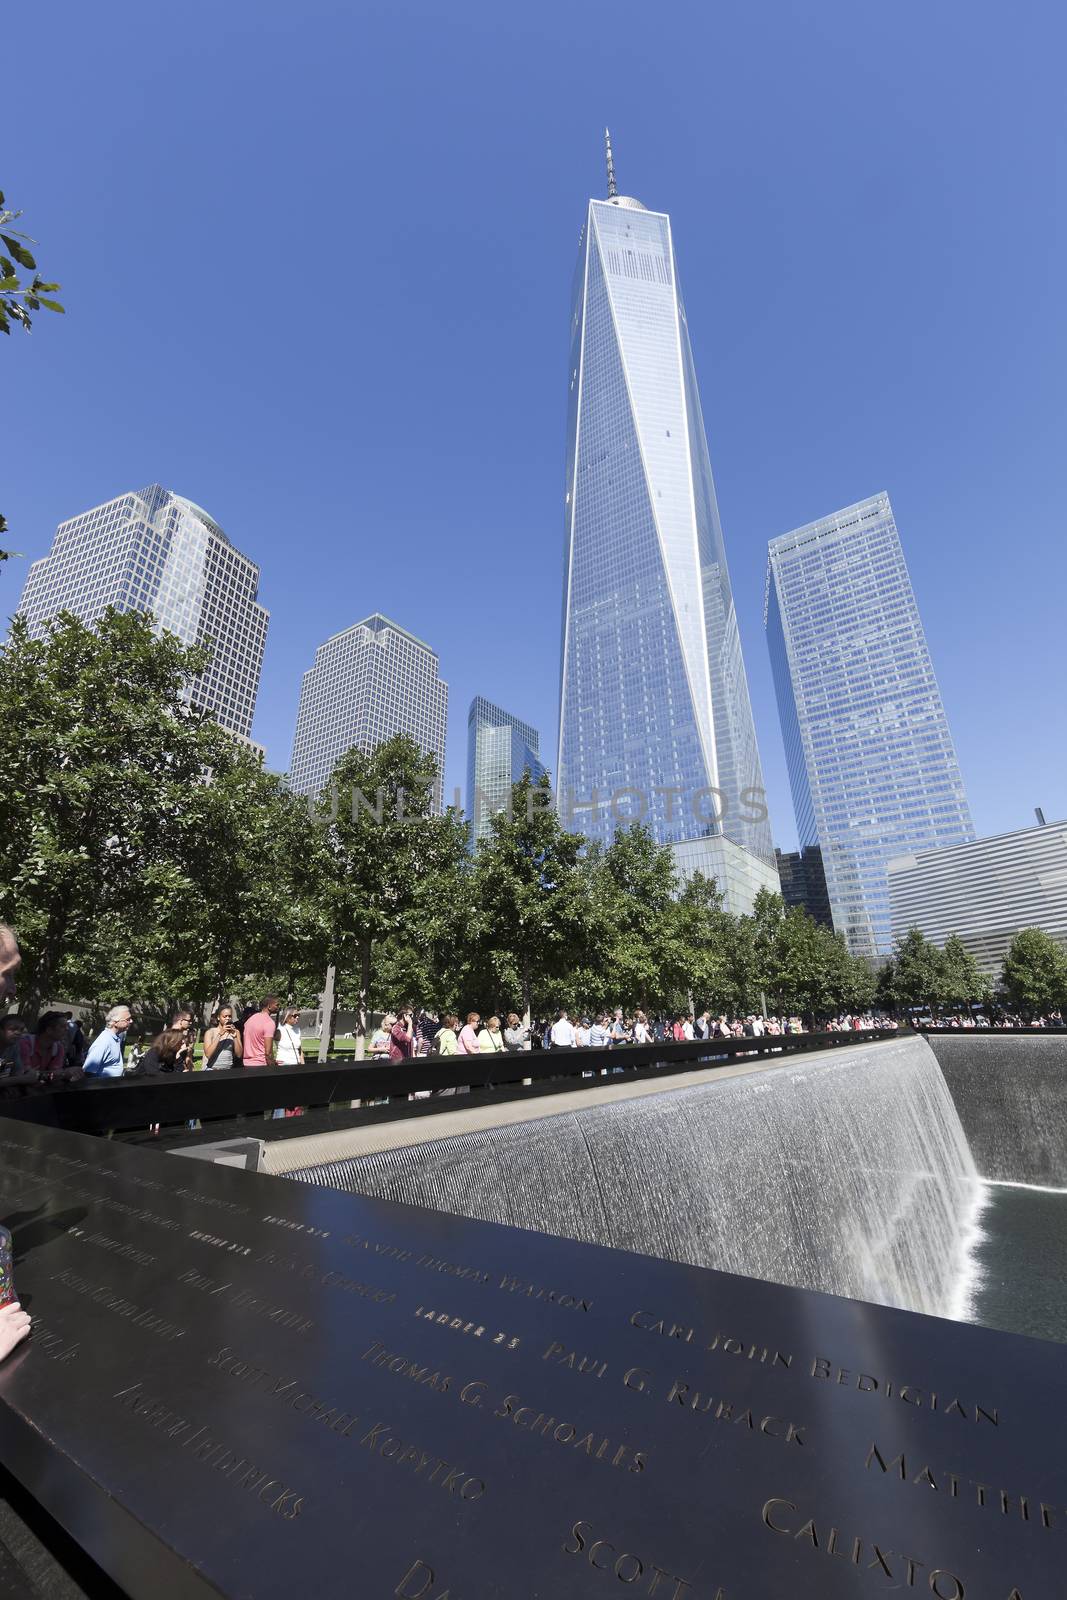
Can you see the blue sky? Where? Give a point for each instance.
(317, 265)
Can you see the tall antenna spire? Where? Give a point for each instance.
(612, 186)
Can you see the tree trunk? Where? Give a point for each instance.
(326, 1012)
(526, 995)
(364, 987)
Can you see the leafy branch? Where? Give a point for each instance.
(17, 297)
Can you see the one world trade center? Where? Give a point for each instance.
(655, 718)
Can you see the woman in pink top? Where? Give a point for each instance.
(467, 1043)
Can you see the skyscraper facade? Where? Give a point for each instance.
(500, 748)
(153, 550)
(804, 882)
(872, 767)
(367, 683)
(985, 892)
(655, 719)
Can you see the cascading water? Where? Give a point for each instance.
(848, 1173)
(1011, 1095)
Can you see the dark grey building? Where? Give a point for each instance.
(804, 882)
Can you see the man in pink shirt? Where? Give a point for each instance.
(259, 1034)
(467, 1043)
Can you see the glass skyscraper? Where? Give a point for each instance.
(152, 550)
(500, 749)
(368, 682)
(871, 762)
(655, 720)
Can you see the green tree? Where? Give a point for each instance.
(886, 985)
(919, 974)
(701, 931)
(229, 898)
(965, 983)
(1034, 975)
(642, 961)
(533, 902)
(852, 983)
(99, 754)
(392, 870)
(18, 297)
(802, 967)
(743, 967)
(768, 915)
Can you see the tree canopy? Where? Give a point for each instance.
(1035, 973)
(143, 851)
(145, 855)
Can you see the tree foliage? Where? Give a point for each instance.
(384, 865)
(19, 296)
(532, 907)
(1035, 973)
(964, 983)
(146, 856)
(143, 851)
(923, 975)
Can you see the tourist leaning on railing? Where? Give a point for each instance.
(104, 1056)
(516, 1034)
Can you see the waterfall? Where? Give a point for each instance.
(847, 1172)
(1011, 1094)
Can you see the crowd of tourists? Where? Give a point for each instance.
(408, 1033)
(54, 1050)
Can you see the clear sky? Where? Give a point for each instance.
(317, 263)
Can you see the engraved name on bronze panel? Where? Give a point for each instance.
(56, 1346)
(102, 1294)
(820, 1367)
(719, 1409)
(235, 1469)
(286, 1391)
(544, 1426)
(126, 1252)
(422, 1464)
(311, 1272)
(611, 1557)
(573, 1361)
(422, 1581)
(878, 1558)
(1024, 1510)
(244, 1300)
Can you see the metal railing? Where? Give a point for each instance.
(118, 1105)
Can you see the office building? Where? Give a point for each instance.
(367, 683)
(500, 749)
(655, 719)
(986, 891)
(871, 763)
(152, 550)
(803, 881)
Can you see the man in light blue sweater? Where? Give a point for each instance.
(105, 1053)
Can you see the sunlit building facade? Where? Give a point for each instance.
(500, 748)
(152, 550)
(872, 766)
(367, 683)
(655, 719)
(985, 892)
